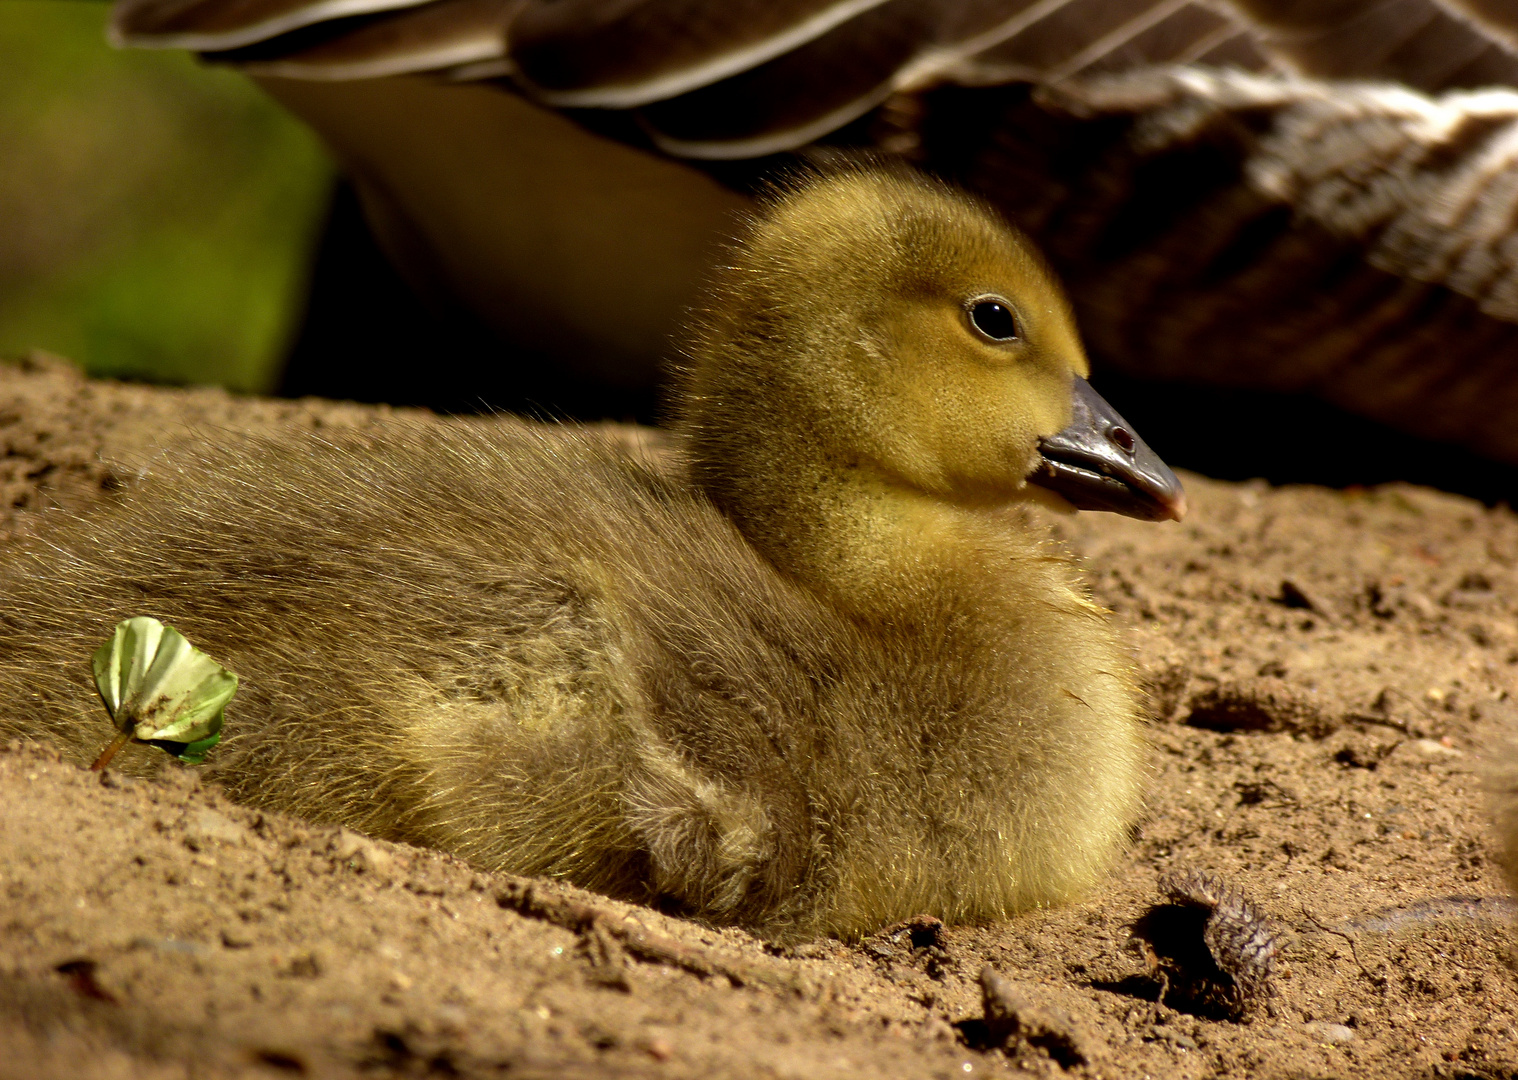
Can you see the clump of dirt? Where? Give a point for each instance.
(1325, 669)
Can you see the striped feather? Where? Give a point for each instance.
(744, 78)
(1496, 18)
(904, 45)
(593, 54)
(1428, 44)
(437, 36)
(216, 25)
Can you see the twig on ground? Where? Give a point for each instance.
(527, 898)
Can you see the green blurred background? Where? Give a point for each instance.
(157, 216)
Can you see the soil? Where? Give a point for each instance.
(1326, 671)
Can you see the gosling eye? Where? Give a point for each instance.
(992, 318)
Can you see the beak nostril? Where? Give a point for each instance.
(1123, 437)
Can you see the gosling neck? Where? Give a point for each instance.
(839, 525)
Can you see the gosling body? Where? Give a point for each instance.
(823, 673)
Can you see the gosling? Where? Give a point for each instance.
(827, 674)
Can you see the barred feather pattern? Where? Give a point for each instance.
(1427, 44)
(751, 77)
(737, 80)
(1428, 184)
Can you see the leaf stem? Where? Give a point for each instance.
(110, 751)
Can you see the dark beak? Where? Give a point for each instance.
(1098, 463)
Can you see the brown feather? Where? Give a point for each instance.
(1082, 34)
(712, 81)
(1496, 18)
(438, 35)
(907, 44)
(747, 79)
(588, 53)
(803, 94)
(1418, 42)
(213, 25)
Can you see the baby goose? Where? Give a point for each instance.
(834, 678)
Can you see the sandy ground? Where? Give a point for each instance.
(1325, 668)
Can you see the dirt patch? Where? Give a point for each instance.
(1324, 667)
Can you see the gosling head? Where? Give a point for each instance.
(877, 329)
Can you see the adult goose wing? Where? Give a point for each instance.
(750, 77)
(707, 80)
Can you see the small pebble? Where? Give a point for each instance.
(1330, 1033)
(1432, 748)
(206, 825)
(659, 1049)
(364, 855)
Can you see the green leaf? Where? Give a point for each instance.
(190, 753)
(160, 689)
